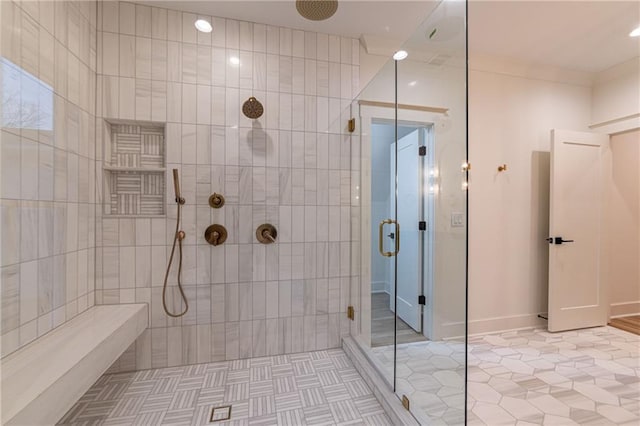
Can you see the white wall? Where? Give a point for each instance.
(624, 228)
(616, 98)
(510, 118)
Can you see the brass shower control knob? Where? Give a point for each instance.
(266, 233)
(216, 201)
(215, 234)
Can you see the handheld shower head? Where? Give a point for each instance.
(176, 187)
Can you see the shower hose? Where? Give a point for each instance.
(177, 238)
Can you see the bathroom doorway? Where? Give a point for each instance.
(402, 218)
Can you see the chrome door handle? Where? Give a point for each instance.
(397, 233)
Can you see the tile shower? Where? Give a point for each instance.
(290, 168)
(48, 183)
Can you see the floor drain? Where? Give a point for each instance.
(220, 414)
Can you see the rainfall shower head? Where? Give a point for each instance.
(252, 108)
(317, 10)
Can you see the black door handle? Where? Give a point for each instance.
(557, 240)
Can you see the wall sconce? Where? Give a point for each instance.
(502, 168)
(466, 167)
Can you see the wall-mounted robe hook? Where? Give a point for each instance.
(502, 168)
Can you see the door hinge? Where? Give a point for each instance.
(422, 225)
(422, 300)
(351, 314)
(422, 151)
(352, 125)
(405, 402)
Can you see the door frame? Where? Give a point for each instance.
(368, 115)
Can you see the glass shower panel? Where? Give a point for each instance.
(409, 218)
(432, 207)
(376, 222)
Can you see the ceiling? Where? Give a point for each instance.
(578, 35)
(395, 19)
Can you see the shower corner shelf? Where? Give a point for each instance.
(135, 173)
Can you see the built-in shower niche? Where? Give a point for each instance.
(134, 170)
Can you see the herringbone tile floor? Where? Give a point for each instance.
(299, 389)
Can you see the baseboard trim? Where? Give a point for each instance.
(381, 389)
(505, 323)
(379, 287)
(624, 309)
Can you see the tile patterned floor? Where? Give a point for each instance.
(298, 389)
(584, 377)
(530, 377)
(431, 375)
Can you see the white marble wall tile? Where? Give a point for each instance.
(127, 18)
(159, 23)
(143, 21)
(298, 44)
(174, 25)
(10, 293)
(127, 56)
(203, 105)
(189, 63)
(126, 98)
(143, 57)
(189, 32)
(204, 39)
(143, 93)
(189, 103)
(28, 226)
(203, 66)
(246, 35)
(275, 169)
(174, 61)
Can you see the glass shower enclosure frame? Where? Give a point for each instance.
(409, 219)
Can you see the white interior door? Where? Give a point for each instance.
(576, 296)
(407, 260)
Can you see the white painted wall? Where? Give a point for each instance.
(624, 227)
(616, 96)
(510, 118)
(512, 108)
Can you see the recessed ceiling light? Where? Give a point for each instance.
(635, 33)
(203, 25)
(234, 60)
(413, 83)
(400, 55)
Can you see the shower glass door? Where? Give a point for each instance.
(410, 218)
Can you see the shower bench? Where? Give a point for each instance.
(42, 381)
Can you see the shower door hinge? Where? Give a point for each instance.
(422, 300)
(422, 151)
(352, 125)
(422, 225)
(351, 313)
(405, 402)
